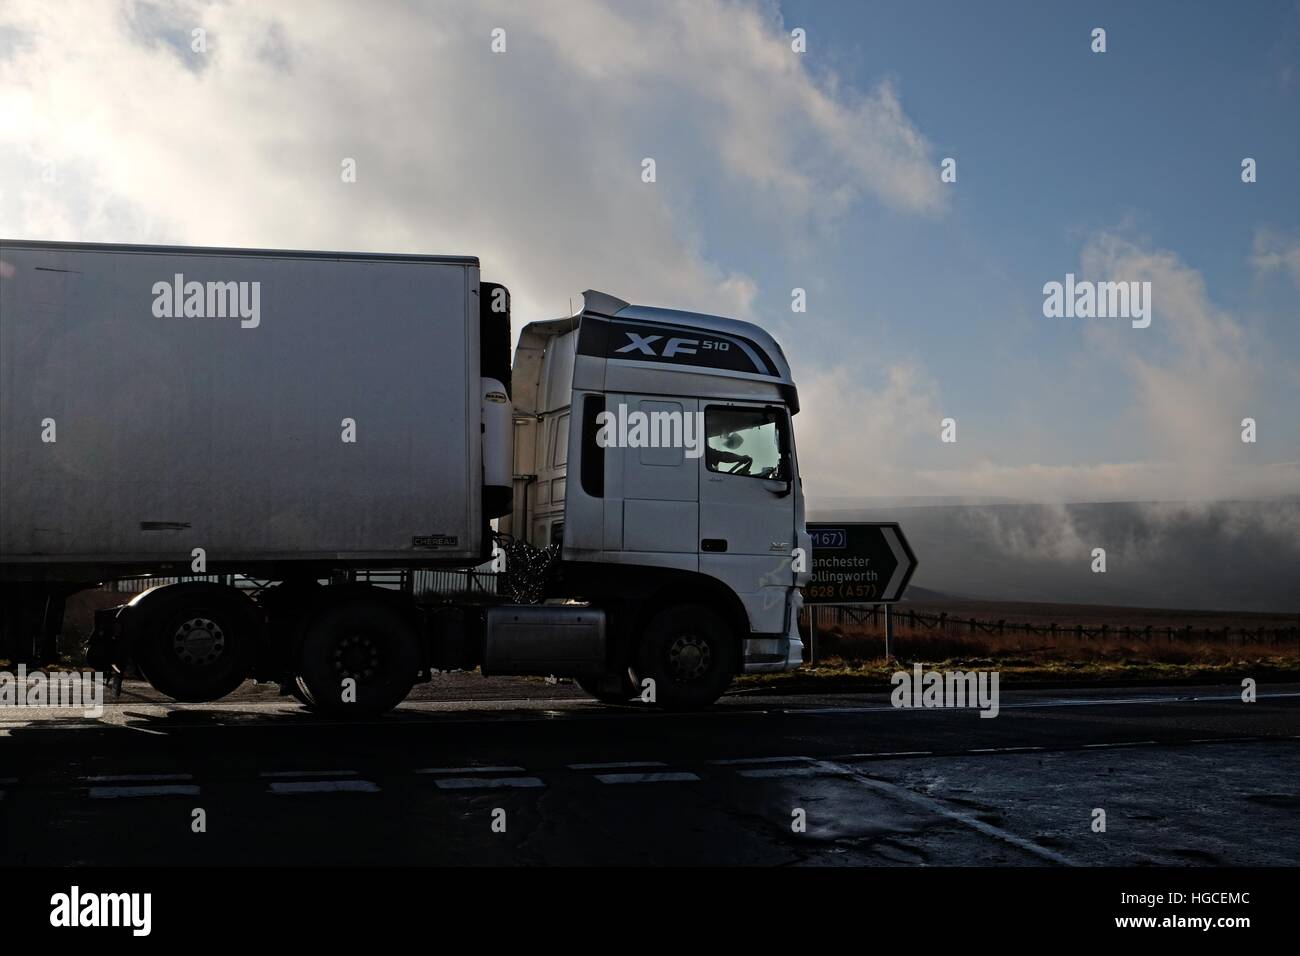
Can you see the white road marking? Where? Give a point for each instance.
(934, 806)
(138, 777)
(307, 773)
(488, 783)
(668, 777)
(471, 770)
(160, 790)
(766, 772)
(324, 786)
(889, 753)
(1127, 743)
(144, 730)
(617, 765)
(730, 761)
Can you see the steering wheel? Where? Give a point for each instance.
(741, 467)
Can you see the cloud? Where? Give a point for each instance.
(1275, 252)
(530, 159)
(1194, 379)
(854, 439)
(1192, 376)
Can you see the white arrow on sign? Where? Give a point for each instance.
(902, 566)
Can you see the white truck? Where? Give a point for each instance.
(296, 418)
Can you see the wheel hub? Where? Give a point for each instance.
(689, 657)
(198, 642)
(357, 656)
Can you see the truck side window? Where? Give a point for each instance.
(593, 456)
(746, 441)
(561, 440)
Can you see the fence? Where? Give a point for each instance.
(455, 582)
(832, 615)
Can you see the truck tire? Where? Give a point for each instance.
(195, 641)
(591, 686)
(690, 654)
(364, 641)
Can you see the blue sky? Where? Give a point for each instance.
(1055, 143)
(775, 170)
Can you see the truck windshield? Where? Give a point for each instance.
(747, 441)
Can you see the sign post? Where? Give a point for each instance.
(857, 563)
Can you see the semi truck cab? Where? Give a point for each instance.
(655, 450)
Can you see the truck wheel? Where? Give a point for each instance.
(592, 687)
(362, 642)
(690, 653)
(195, 642)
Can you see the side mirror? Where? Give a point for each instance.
(777, 486)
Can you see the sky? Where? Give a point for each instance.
(775, 169)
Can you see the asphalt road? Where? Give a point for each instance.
(532, 773)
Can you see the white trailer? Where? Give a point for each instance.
(302, 416)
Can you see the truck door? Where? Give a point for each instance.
(747, 506)
(660, 483)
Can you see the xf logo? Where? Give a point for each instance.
(644, 345)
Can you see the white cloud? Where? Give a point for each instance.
(1192, 375)
(854, 439)
(529, 159)
(1275, 252)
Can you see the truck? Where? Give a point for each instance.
(211, 417)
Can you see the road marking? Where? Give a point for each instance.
(307, 773)
(1127, 743)
(140, 777)
(889, 753)
(730, 761)
(617, 765)
(782, 772)
(1002, 750)
(145, 730)
(471, 770)
(668, 777)
(486, 783)
(161, 790)
(324, 786)
(935, 806)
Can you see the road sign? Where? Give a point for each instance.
(858, 563)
